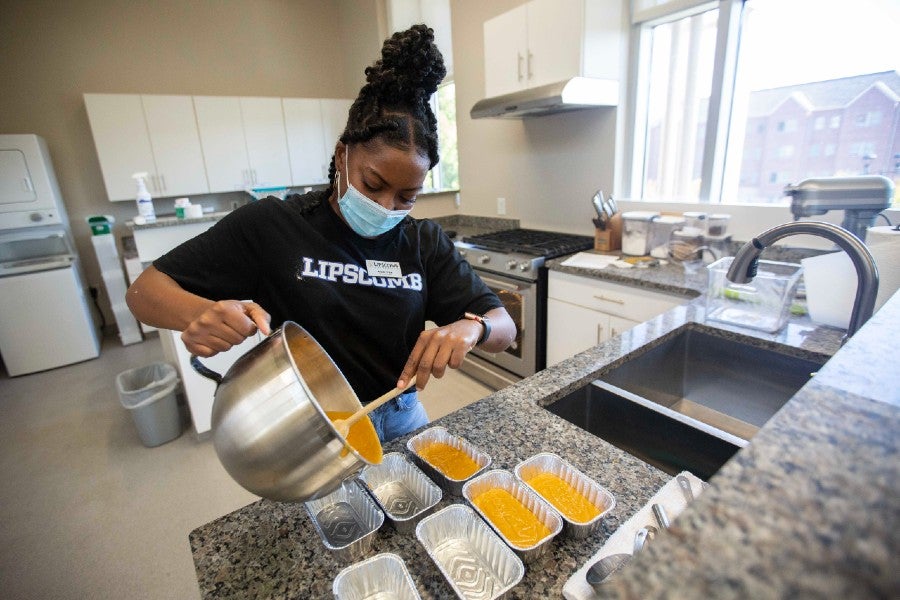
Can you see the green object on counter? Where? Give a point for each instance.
(798, 310)
(101, 224)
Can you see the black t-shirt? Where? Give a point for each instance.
(298, 260)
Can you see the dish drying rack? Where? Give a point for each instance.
(264, 192)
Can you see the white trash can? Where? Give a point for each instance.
(149, 395)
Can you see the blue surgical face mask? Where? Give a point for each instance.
(365, 216)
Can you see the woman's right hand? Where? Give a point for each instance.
(224, 324)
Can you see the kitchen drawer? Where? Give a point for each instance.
(624, 301)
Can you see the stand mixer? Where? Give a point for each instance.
(860, 197)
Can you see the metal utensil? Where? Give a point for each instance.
(613, 205)
(598, 201)
(685, 486)
(661, 517)
(603, 569)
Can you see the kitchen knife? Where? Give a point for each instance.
(599, 206)
(613, 207)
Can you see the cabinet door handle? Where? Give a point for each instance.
(599, 333)
(530, 59)
(608, 299)
(162, 179)
(253, 171)
(519, 65)
(29, 187)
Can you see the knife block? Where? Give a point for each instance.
(609, 239)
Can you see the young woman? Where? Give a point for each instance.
(347, 263)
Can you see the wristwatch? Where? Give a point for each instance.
(484, 321)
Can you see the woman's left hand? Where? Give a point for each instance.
(438, 348)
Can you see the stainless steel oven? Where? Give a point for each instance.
(511, 263)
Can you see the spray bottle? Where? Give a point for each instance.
(144, 200)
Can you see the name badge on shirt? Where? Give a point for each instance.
(383, 268)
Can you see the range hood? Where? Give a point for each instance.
(577, 93)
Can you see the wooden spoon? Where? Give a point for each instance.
(343, 425)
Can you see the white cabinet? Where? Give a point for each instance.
(546, 41)
(244, 142)
(156, 134)
(313, 126)
(583, 312)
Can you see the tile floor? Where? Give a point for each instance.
(86, 511)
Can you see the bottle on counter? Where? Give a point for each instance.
(180, 205)
(144, 200)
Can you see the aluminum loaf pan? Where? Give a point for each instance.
(440, 435)
(504, 480)
(474, 561)
(596, 494)
(346, 520)
(382, 576)
(403, 491)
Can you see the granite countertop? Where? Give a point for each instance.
(175, 221)
(809, 508)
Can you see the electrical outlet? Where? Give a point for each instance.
(501, 206)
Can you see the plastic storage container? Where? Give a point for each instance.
(695, 222)
(149, 395)
(661, 230)
(762, 304)
(636, 231)
(717, 225)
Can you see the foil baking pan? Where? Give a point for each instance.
(402, 490)
(382, 576)
(498, 478)
(439, 434)
(596, 494)
(473, 559)
(346, 520)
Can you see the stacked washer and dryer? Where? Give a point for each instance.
(45, 316)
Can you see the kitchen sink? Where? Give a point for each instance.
(690, 402)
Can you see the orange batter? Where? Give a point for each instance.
(564, 497)
(362, 436)
(520, 526)
(450, 461)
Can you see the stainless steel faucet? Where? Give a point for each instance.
(743, 267)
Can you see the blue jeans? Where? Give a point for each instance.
(399, 416)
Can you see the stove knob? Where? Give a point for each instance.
(511, 264)
(36, 217)
(525, 267)
(484, 259)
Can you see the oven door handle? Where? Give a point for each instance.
(507, 287)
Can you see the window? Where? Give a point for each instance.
(401, 14)
(868, 119)
(709, 76)
(445, 176)
(786, 151)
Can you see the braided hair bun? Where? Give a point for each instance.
(411, 66)
(393, 106)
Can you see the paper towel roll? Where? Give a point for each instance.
(884, 244)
